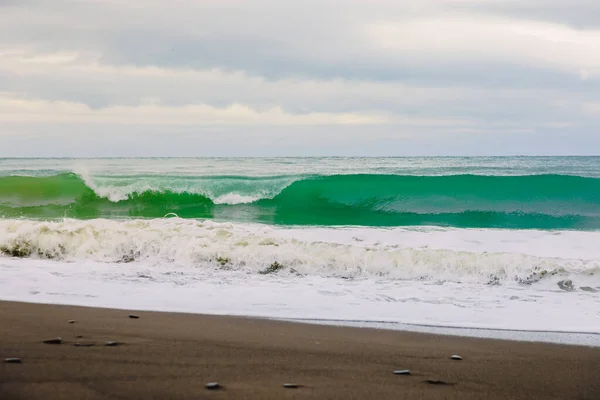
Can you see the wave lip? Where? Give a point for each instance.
(235, 198)
(516, 202)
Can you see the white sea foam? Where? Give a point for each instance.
(367, 302)
(235, 198)
(111, 193)
(432, 254)
(431, 276)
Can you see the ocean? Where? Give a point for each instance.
(500, 246)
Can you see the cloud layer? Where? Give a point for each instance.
(267, 77)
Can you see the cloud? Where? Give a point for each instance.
(319, 38)
(24, 111)
(81, 78)
(385, 72)
(592, 109)
(471, 37)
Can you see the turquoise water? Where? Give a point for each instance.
(503, 192)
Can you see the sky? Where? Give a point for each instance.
(115, 78)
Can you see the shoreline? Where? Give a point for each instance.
(173, 355)
(568, 338)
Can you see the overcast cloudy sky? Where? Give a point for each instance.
(299, 77)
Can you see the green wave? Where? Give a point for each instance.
(532, 201)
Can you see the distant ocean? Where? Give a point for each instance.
(506, 243)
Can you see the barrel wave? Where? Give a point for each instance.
(478, 201)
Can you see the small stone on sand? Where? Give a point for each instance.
(290, 386)
(78, 344)
(112, 343)
(133, 316)
(436, 382)
(56, 340)
(71, 321)
(12, 360)
(213, 386)
(402, 372)
(455, 357)
(79, 337)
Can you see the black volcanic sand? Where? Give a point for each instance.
(174, 356)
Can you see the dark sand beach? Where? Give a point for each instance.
(173, 356)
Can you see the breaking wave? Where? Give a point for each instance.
(514, 202)
(342, 253)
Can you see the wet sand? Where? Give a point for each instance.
(173, 356)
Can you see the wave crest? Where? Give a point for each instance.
(540, 201)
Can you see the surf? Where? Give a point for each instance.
(470, 201)
(432, 254)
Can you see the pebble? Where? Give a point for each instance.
(78, 337)
(213, 386)
(133, 316)
(12, 360)
(436, 382)
(71, 321)
(290, 386)
(78, 344)
(455, 357)
(402, 372)
(111, 343)
(56, 340)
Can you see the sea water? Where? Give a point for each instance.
(501, 247)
